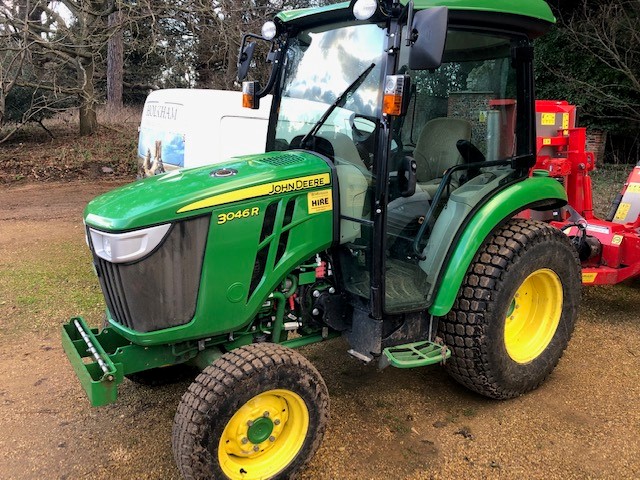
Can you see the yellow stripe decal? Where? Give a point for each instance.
(589, 277)
(273, 188)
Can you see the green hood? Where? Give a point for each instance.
(188, 192)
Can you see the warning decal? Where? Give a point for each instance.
(623, 209)
(633, 188)
(548, 119)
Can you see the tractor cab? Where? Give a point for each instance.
(415, 111)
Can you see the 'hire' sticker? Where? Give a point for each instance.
(319, 201)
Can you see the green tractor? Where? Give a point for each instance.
(387, 209)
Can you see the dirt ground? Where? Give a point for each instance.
(584, 422)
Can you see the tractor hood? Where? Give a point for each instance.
(191, 192)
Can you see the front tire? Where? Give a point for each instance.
(259, 411)
(515, 312)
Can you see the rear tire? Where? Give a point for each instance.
(259, 411)
(515, 311)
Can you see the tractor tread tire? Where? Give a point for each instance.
(464, 329)
(233, 375)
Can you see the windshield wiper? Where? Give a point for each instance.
(340, 101)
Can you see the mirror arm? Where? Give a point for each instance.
(275, 59)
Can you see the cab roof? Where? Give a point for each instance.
(536, 10)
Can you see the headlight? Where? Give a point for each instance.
(129, 246)
(364, 9)
(269, 30)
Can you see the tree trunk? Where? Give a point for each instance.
(2, 107)
(115, 60)
(88, 116)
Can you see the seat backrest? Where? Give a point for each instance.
(344, 148)
(353, 189)
(436, 146)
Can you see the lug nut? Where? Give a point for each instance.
(250, 423)
(276, 421)
(256, 448)
(315, 311)
(265, 414)
(245, 440)
(272, 438)
(332, 290)
(316, 293)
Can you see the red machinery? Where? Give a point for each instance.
(609, 249)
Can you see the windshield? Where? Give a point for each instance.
(320, 66)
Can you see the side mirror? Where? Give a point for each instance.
(407, 176)
(244, 60)
(429, 29)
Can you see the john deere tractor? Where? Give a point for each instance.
(387, 209)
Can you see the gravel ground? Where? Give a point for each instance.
(584, 422)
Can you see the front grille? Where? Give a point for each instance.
(160, 290)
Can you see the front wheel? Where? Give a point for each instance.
(257, 412)
(515, 312)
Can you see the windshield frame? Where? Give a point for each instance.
(278, 95)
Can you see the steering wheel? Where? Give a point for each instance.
(361, 128)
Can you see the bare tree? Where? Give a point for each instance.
(606, 36)
(63, 54)
(20, 104)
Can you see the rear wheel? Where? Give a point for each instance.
(515, 312)
(259, 411)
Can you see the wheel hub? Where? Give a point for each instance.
(260, 431)
(533, 316)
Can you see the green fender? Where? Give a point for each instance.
(505, 204)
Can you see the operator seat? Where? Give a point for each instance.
(352, 179)
(436, 151)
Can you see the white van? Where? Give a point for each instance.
(193, 127)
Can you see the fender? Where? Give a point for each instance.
(541, 192)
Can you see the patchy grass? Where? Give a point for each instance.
(42, 290)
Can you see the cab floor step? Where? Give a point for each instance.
(417, 354)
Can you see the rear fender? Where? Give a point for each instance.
(536, 192)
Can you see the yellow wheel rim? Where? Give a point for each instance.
(533, 316)
(264, 435)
